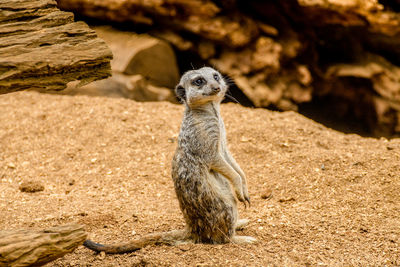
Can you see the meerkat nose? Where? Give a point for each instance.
(216, 89)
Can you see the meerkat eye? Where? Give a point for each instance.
(216, 77)
(198, 81)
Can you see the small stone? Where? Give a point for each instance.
(290, 199)
(267, 194)
(133, 232)
(244, 139)
(284, 144)
(102, 255)
(11, 165)
(31, 186)
(184, 247)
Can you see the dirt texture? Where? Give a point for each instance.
(319, 197)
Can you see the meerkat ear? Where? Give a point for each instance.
(180, 93)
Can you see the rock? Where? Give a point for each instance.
(38, 247)
(141, 54)
(283, 91)
(140, 89)
(146, 12)
(266, 194)
(31, 186)
(367, 13)
(195, 16)
(101, 256)
(144, 68)
(134, 87)
(233, 31)
(11, 165)
(282, 54)
(43, 48)
(384, 96)
(384, 76)
(174, 39)
(264, 56)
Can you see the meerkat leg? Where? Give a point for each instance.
(231, 160)
(237, 168)
(241, 223)
(221, 166)
(242, 239)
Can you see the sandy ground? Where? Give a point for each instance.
(319, 197)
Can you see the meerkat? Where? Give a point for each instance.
(207, 179)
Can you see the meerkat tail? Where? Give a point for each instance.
(173, 237)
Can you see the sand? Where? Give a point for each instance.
(319, 197)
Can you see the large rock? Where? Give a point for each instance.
(134, 87)
(141, 54)
(384, 99)
(43, 48)
(38, 247)
(144, 68)
(283, 53)
(200, 17)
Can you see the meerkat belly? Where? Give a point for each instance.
(207, 204)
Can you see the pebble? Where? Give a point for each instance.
(266, 194)
(11, 165)
(31, 186)
(102, 255)
(244, 139)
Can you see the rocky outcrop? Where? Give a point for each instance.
(283, 53)
(43, 48)
(359, 58)
(144, 68)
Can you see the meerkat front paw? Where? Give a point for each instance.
(245, 199)
(239, 194)
(246, 195)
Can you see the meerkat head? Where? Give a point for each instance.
(198, 87)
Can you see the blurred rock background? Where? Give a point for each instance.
(336, 61)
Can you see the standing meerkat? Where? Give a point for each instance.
(206, 176)
(203, 170)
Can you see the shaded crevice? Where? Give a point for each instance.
(325, 110)
(391, 4)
